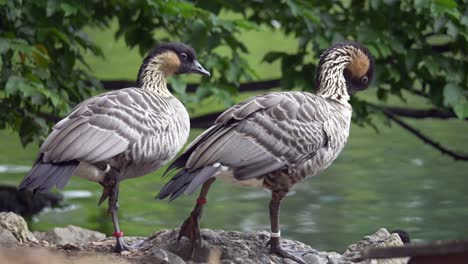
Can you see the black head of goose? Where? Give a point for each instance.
(275, 140)
(119, 134)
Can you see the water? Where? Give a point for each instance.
(387, 180)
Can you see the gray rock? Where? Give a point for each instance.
(314, 259)
(16, 225)
(249, 247)
(382, 238)
(7, 238)
(218, 246)
(69, 235)
(161, 256)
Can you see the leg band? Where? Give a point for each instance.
(276, 234)
(118, 234)
(108, 167)
(201, 201)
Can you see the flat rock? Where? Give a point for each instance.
(69, 235)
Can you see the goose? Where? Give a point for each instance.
(121, 134)
(274, 140)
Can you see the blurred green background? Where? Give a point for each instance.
(387, 179)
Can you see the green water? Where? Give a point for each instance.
(389, 179)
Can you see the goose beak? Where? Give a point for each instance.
(197, 68)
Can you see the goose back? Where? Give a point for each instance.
(133, 129)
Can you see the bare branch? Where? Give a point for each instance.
(192, 87)
(424, 138)
(420, 113)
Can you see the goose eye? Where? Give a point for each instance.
(364, 79)
(184, 56)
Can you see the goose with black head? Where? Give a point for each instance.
(120, 134)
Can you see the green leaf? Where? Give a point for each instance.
(446, 3)
(461, 110)
(452, 94)
(273, 56)
(68, 9)
(17, 84)
(4, 45)
(178, 85)
(452, 30)
(52, 7)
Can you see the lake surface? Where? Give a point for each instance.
(388, 179)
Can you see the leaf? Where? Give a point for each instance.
(452, 94)
(4, 45)
(17, 84)
(461, 110)
(52, 7)
(273, 56)
(178, 85)
(68, 9)
(452, 30)
(41, 55)
(446, 3)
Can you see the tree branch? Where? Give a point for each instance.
(192, 87)
(424, 138)
(420, 113)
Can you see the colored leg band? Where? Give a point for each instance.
(201, 201)
(276, 234)
(118, 234)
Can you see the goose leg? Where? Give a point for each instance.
(274, 242)
(191, 226)
(111, 191)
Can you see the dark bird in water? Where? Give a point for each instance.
(275, 140)
(120, 134)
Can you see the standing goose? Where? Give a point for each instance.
(119, 134)
(275, 140)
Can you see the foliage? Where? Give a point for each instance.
(418, 45)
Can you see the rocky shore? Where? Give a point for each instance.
(78, 245)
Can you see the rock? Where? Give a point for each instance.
(382, 238)
(249, 247)
(218, 246)
(42, 256)
(69, 235)
(161, 256)
(7, 238)
(314, 259)
(16, 225)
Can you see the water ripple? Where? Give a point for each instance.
(14, 168)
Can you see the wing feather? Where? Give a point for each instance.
(263, 134)
(99, 128)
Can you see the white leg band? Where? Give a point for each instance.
(107, 168)
(276, 234)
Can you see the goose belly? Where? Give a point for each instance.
(89, 172)
(227, 176)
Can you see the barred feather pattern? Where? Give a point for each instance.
(135, 130)
(277, 139)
